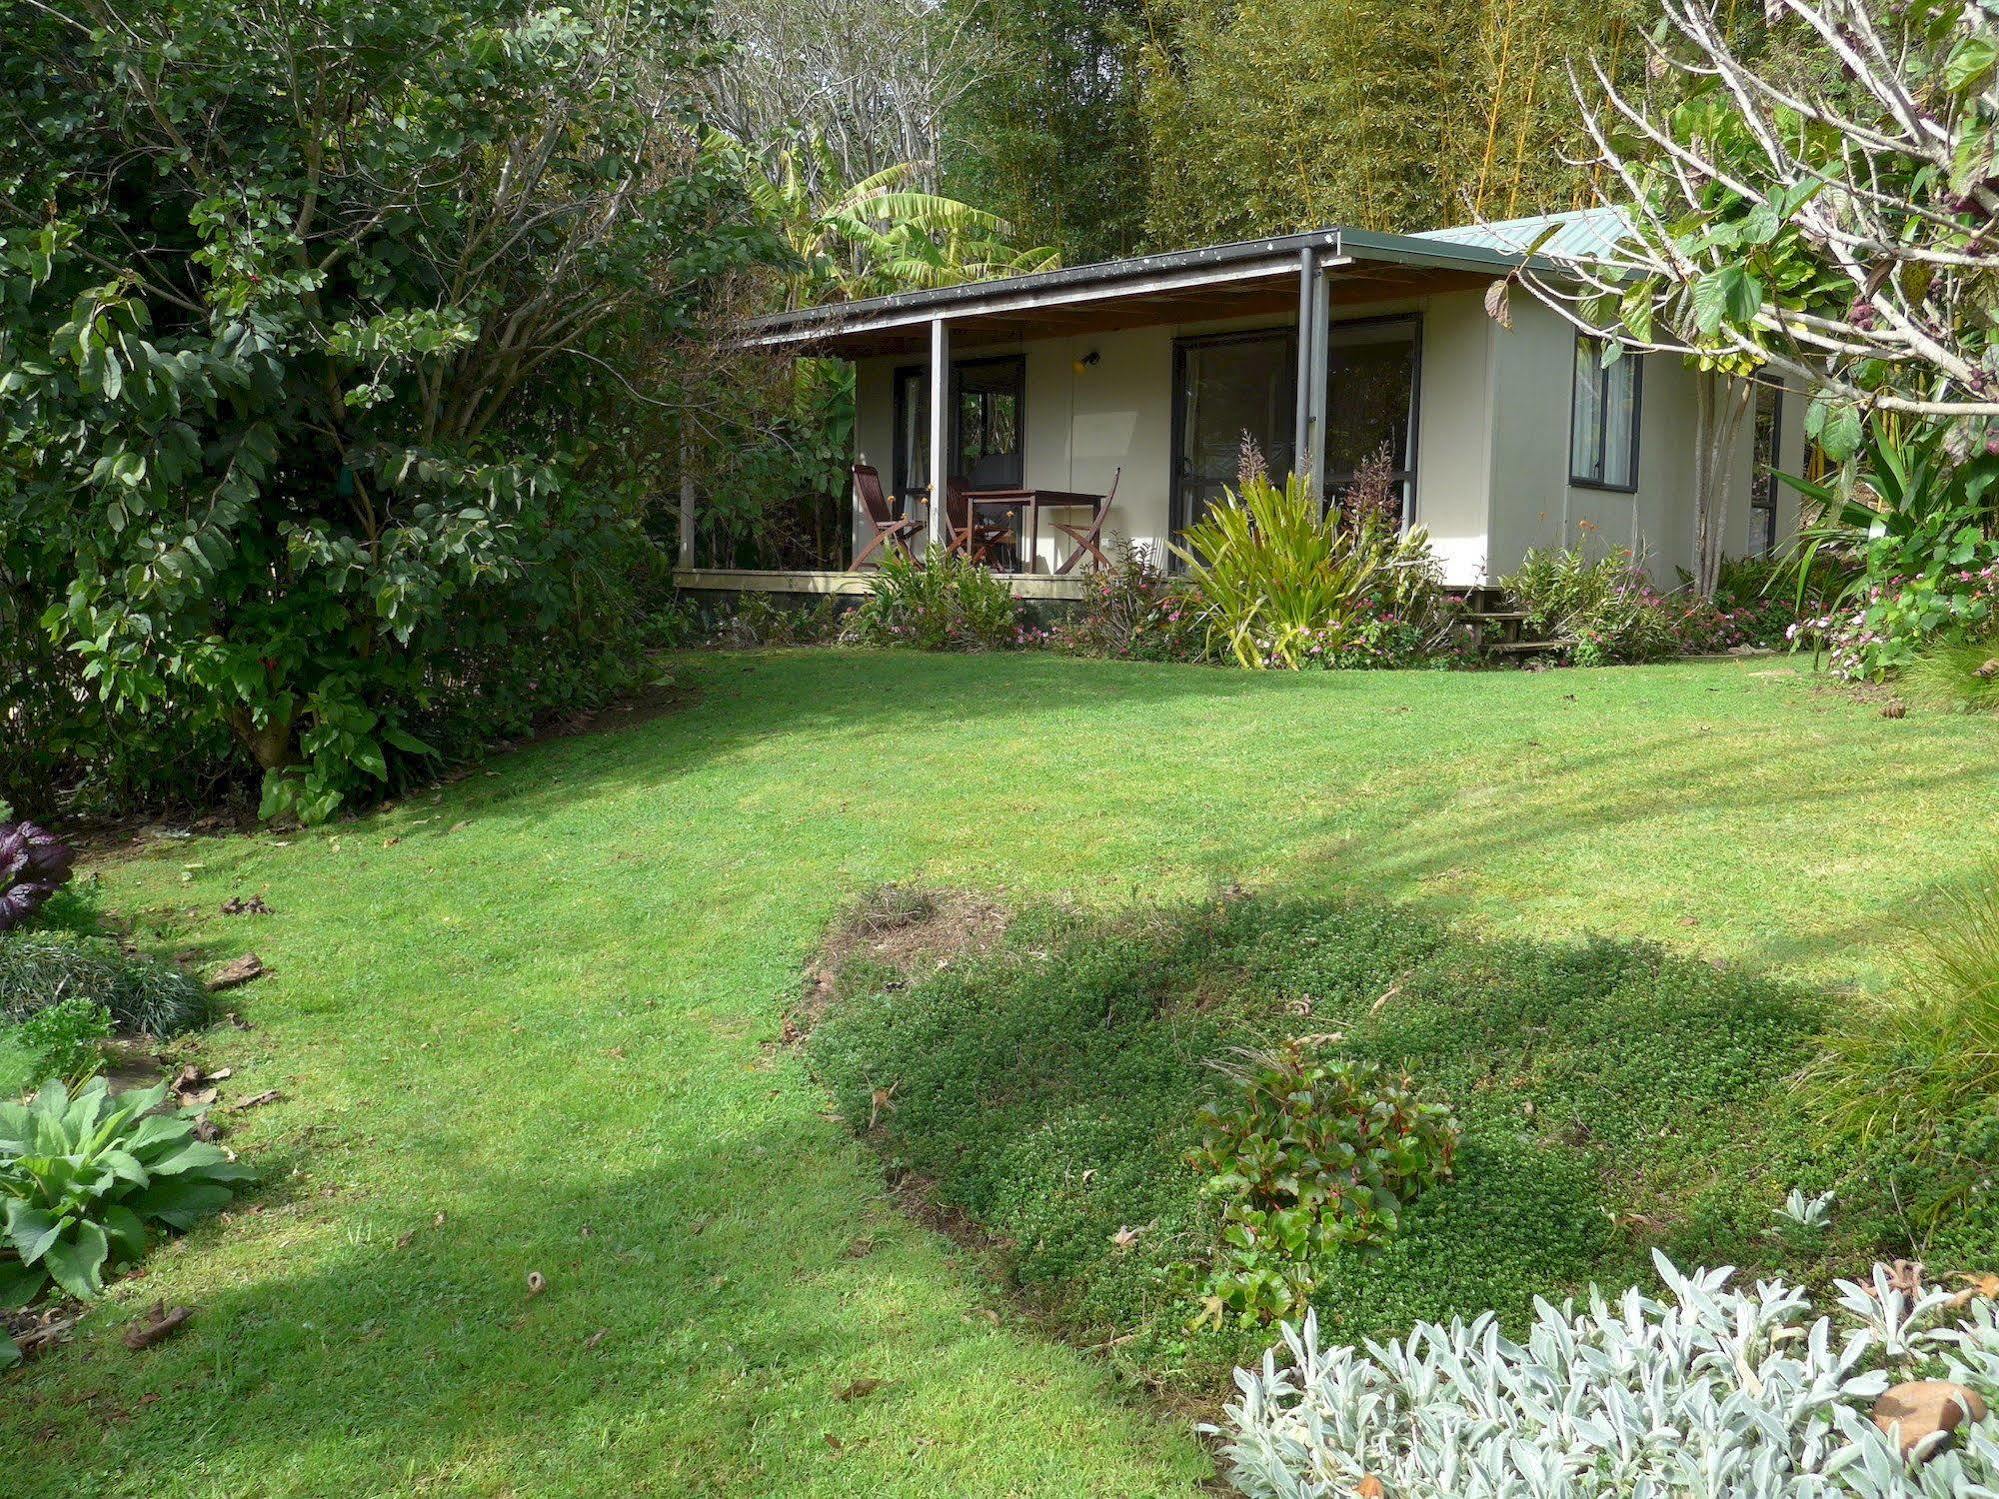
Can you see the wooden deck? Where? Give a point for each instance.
(753, 580)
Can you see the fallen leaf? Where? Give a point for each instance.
(160, 1323)
(595, 1338)
(860, 1389)
(403, 1241)
(1916, 1410)
(1976, 1288)
(237, 972)
(1126, 1236)
(257, 1101)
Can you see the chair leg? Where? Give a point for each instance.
(870, 549)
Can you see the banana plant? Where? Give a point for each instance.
(877, 235)
(84, 1177)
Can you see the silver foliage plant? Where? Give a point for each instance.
(1716, 1392)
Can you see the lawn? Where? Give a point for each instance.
(529, 1023)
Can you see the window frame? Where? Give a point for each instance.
(1768, 512)
(1602, 374)
(899, 456)
(1405, 477)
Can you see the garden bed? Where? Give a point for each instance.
(1614, 1099)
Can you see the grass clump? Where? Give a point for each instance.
(40, 970)
(1612, 1099)
(1963, 675)
(1912, 1074)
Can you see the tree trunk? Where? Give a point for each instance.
(1721, 402)
(270, 744)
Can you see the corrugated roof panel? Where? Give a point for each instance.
(1580, 234)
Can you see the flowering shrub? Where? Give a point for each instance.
(1712, 1392)
(945, 603)
(1607, 612)
(1307, 1153)
(1133, 611)
(1882, 627)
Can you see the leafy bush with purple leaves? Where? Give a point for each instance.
(34, 864)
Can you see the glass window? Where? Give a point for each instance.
(1763, 471)
(1603, 418)
(988, 436)
(912, 434)
(1371, 401)
(985, 438)
(1232, 389)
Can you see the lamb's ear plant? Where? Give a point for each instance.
(84, 1179)
(1708, 1390)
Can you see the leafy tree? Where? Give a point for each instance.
(874, 236)
(1839, 231)
(331, 353)
(1829, 224)
(1053, 138)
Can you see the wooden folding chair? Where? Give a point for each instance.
(1087, 537)
(978, 540)
(889, 531)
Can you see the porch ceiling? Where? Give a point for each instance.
(1230, 281)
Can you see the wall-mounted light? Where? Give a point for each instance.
(1087, 361)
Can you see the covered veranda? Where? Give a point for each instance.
(1127, 384)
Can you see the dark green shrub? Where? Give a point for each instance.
(944, 603)
(1307, 1153)
(143, 997)
(757, 619)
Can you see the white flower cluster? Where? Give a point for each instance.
(1715, 1393)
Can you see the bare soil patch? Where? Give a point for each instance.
(911, 929)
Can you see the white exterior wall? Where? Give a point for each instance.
(1492, 438)
(1534, 504)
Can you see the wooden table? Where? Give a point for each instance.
(1033, 501)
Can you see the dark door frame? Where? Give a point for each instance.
(898, 454)
(1176, 518)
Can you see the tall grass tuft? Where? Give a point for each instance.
(1908, 1063)
(1964, 675)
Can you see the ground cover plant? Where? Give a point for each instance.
(1710, 1388)
(1063, 1096)
(142, 996)
(567, 980)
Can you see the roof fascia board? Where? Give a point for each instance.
(1033, 299)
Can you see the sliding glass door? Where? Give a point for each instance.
(1372, 370)
(989, 405)
(1230, 389)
